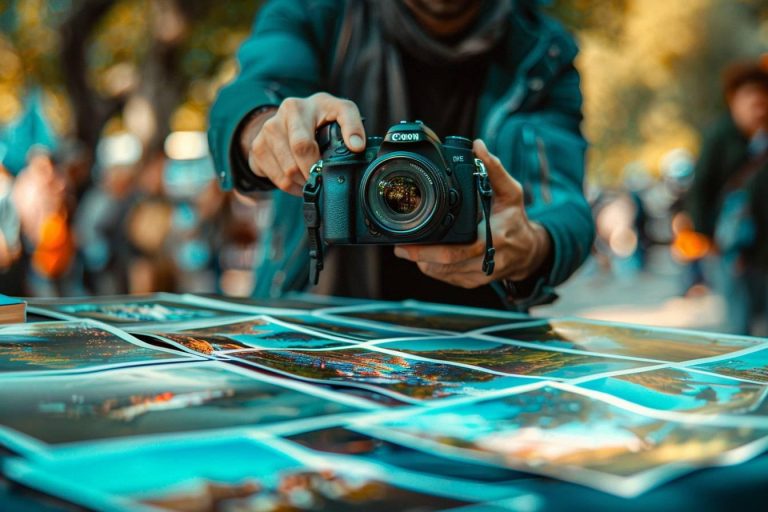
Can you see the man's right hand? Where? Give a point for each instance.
(280, 143)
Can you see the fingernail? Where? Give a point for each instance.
(356, 141)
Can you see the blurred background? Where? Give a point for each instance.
(106, 185)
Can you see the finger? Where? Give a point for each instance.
(445, 254)
(468, 281)
(281, 151)
(470, 266)
(504, 186)
(301, 140)
(346, 113)
(261, 159)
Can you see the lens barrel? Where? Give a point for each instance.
(404, 195)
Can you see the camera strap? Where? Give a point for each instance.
(312, 189)
(485, 192)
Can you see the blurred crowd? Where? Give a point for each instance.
(710, 210)
(120, 219)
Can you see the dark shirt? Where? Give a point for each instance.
(445, 99)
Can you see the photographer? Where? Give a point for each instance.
(496, 71)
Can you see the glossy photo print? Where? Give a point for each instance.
(684, 390)
(127, 310)
(507, 358)
(350, 328)
(155, 400)
(400, 375)
(260, 332)
(344, 441)
(292, 301)
(568, 434)
(752, 366)
(436, 318)
(81, 345)
(664, 345)
(221, 472)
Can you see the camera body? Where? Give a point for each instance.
(407, 187)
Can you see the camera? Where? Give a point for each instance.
(406, 187)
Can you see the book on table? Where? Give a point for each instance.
(12, 310)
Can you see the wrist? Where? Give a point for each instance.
(542, 249)
(250, 128)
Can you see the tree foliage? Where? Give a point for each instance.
(650, 67)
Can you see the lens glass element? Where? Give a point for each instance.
(401, 194)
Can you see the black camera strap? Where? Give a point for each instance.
(485, 192)
(312, 189)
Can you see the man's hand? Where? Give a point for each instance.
(521, 245)
(280, 144)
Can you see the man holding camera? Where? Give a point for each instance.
(495, 71)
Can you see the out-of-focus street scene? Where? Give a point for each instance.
(107, 185)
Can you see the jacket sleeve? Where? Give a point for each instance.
(278, 60)
(543, 148)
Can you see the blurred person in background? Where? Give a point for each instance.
(42, 201)
(11, 271)
(727, 198)
(100, 219)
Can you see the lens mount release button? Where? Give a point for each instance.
(453, 197)
(448, 220)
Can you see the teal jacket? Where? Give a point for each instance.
(529, 114)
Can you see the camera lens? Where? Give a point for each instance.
(404, 195)
(400, 193)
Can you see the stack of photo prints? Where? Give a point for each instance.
(183, 402)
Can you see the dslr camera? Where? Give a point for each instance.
(407, 187)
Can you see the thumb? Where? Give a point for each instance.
(505, 187)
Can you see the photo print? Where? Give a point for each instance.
(80, 345)
(569, 434)
(685, 390)
(399, 375)
(261, 332)
(126, 310)
(157, 399)
(434, 318)
(220, 471)
(751, 366)
(663, 345)
(507, 358)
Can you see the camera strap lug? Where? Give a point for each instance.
(485, 192)
(312, 189)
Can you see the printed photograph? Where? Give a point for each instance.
(408, 378)
(220, 474)
(680, 390)
(153, 400)
(512, 359)
(160, 308)
(258, 332)
(72, 346)
(298, 301)
(425, 317)
(642, 342)
(567, 435)
(344, 441)
(337, 326)
(752, 366)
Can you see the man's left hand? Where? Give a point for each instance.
(521, 245)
